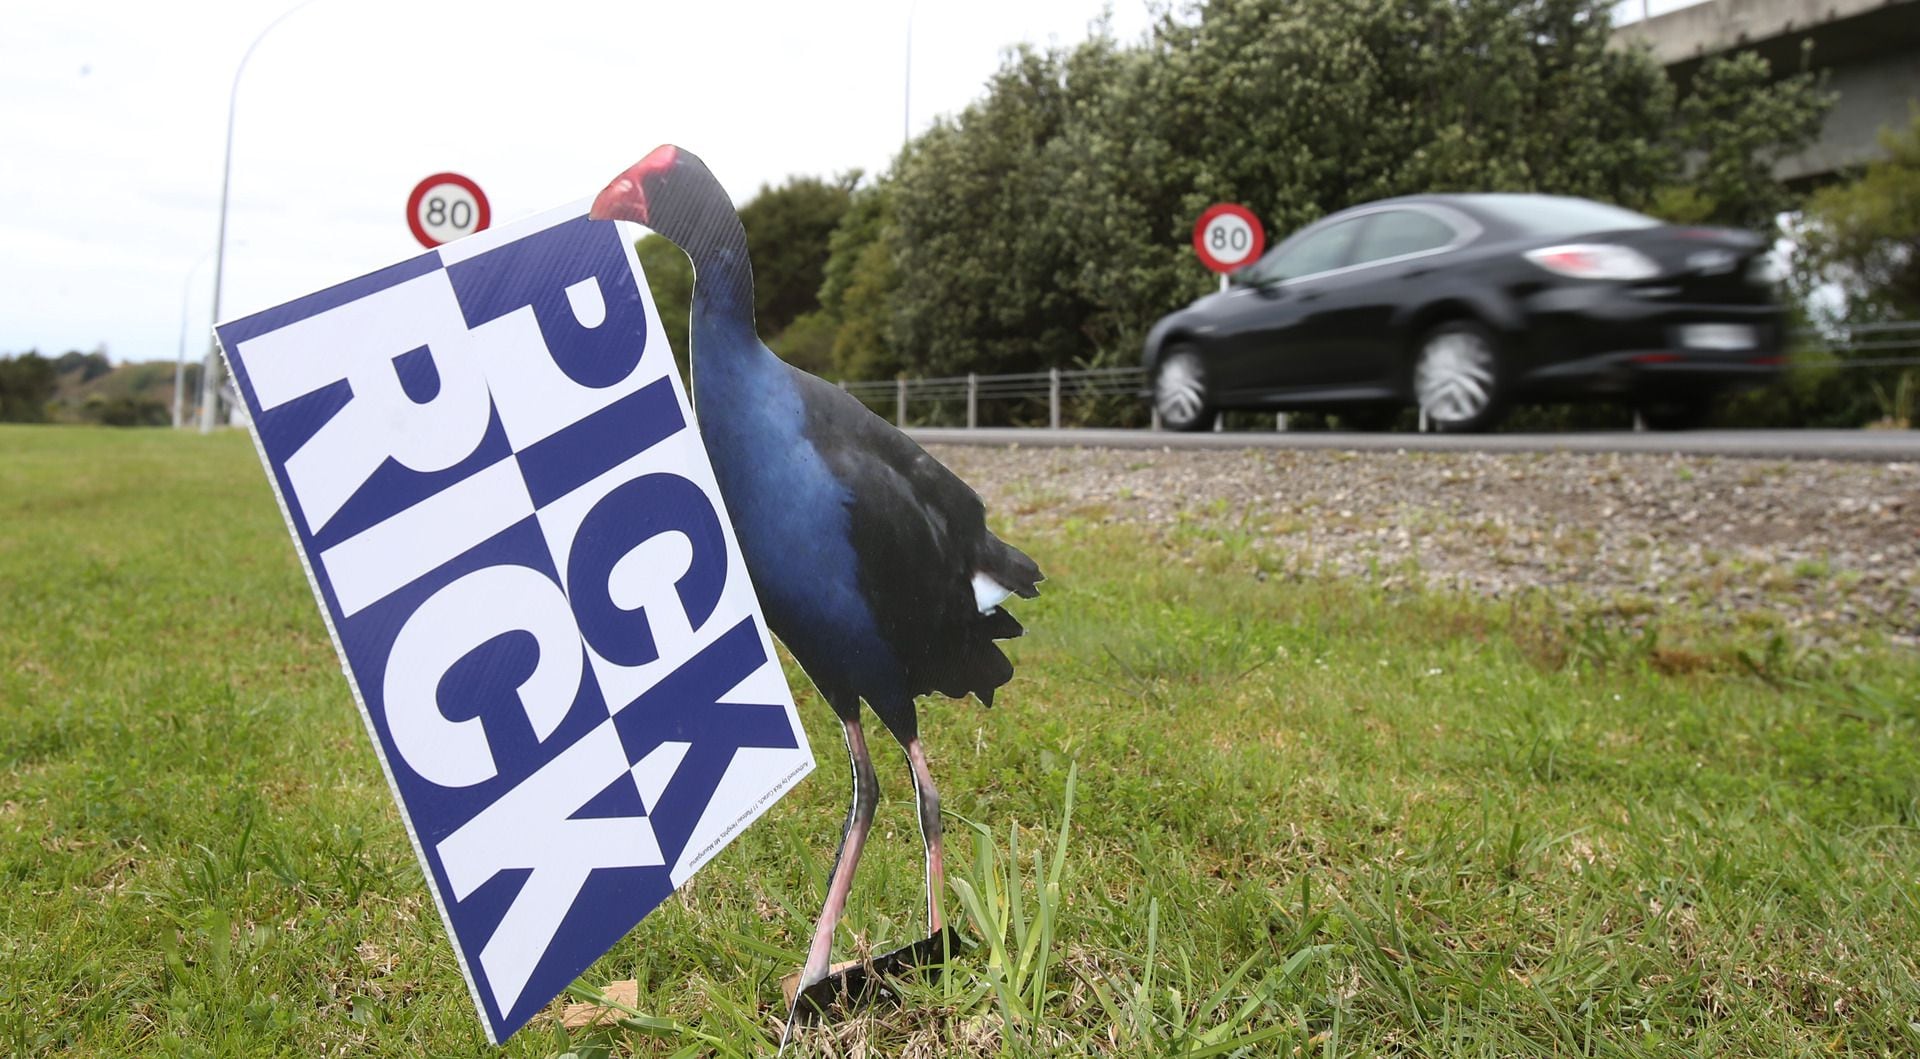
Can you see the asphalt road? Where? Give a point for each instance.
(1892, 446)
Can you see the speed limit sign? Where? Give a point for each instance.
(444, 207)
(1228, 236)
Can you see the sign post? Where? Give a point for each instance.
(1228, 236)
(446, 206)
(493, 478)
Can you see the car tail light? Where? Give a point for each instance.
(1765, 270)
(1595, 261)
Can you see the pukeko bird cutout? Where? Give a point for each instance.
(872, 560)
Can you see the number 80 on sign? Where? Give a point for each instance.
(1228, 237)
(446, 206)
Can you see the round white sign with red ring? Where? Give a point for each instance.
(446, 206)
(1228, 236)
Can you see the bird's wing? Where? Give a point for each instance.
(921, 537)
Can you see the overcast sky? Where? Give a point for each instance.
(113, 115)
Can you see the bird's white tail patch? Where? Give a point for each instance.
(988, 593)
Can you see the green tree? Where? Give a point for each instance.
(27, 383)
(987, 267)
(787, 232)
(670, 279)
(87, 366)
(857, 292)
(1862, 238)
(125, 410)
(807, 342)
(1732, 128)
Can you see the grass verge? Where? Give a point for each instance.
(1220, 811)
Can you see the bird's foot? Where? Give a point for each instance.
(859, 981)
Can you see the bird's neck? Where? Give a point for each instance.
(723, 287)
(727, 354)
(713, 239)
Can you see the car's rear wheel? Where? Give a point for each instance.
(1457, 379)
(1677, 413)
(1180, 391)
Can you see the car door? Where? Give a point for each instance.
(1392, 254)
(1261, 338)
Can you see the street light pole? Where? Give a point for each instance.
(906, 101)
(210, 371)
(180, 358)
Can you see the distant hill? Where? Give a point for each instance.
(77, 387)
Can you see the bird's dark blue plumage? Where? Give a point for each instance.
(861, 546)
(870, 558)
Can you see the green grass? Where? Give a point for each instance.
(1307, 818)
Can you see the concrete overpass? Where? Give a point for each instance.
(1870, 50)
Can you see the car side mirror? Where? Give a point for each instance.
(1275, 289)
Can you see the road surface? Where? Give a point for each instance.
(1892, 446)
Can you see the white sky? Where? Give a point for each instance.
(113, 115)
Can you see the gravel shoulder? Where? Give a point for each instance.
(1830, 548)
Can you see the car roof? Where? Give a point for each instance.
(1472, 203)
(1469, 199)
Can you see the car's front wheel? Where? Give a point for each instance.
(1180, 391)
(1457, 378)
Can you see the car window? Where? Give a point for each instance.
(1314, 252)
(1397, 232)
(1557, 216)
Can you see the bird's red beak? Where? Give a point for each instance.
(625, 199)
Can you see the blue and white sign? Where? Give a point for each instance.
(493, 475)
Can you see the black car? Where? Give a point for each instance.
(1462, 305)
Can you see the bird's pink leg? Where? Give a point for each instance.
(866, 791)
(927, 799)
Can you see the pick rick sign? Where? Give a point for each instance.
(491, 471)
